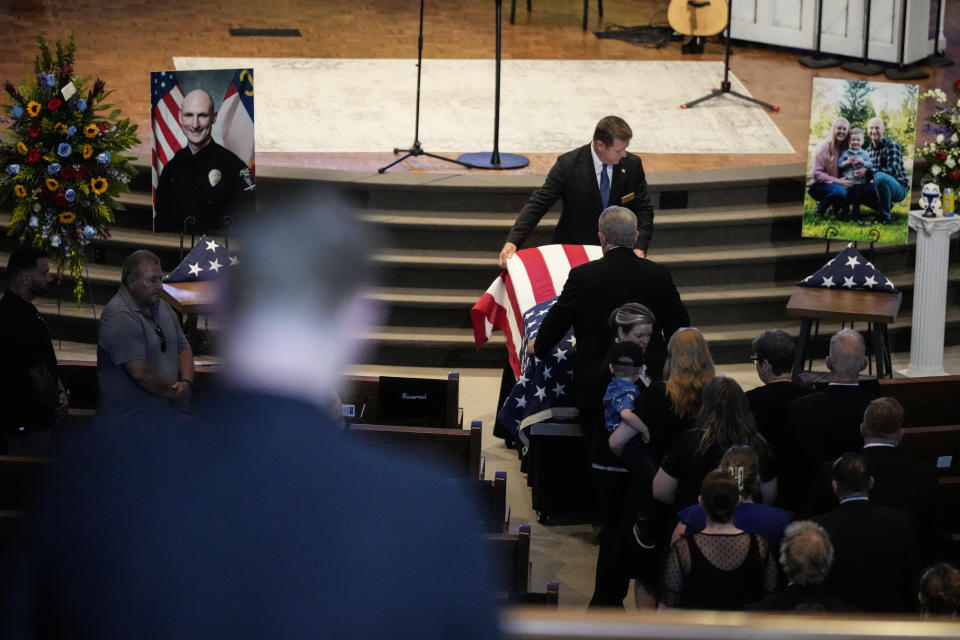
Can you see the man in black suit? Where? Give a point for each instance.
(589, 179)
(898, 481)
(591, 292)
(773, 353)
(806, 555)
(826, 424)
(875, 548)
(257, 518)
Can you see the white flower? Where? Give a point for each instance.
(953, 138)
(940, 138)
(935, 170)
(941, 96)
(951, 163)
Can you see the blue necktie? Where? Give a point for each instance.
(604, 187)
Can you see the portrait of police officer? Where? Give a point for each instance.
(203, 179)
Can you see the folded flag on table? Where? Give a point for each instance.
(533, 276)
(208, 260)
(543, 391)
(849, 270)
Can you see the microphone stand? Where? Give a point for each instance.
(416, 149)
(495, 160)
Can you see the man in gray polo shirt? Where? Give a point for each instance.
(144, 362)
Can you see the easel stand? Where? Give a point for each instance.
(416, 149)
(818, 61)
(725, 85)
(494, 159)
(864, 67)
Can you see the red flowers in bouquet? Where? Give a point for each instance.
(54, 104)
(33, 156)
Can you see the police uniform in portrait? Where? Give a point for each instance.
(208, 185)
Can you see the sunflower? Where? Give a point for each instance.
(52, 184)
(99, 185)
(33, 108)
(67, 217)
(87, 151)
(22, 149)
(91, 131)
(49, 158)
(60, 127)
(20, 190)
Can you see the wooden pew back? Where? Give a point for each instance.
(455, 450)
(927, 402)
(510, 553)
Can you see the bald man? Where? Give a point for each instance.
(203, 180)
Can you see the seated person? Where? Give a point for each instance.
(721, 567)
(853, 158)
(940, 591)
(629, 436)
(743, 464)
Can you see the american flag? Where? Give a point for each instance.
(208, 260)
(848, 270)
(544, 388)
(165, 99)
(533, 276)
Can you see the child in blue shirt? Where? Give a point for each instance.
(853, 158)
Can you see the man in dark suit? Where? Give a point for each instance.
(258, 518)
(773, 353)
(591, 292)
(806, 555)
(826, 424)
(898, 481)
(589, 179)
(875, 548)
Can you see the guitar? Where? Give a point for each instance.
(698, 17)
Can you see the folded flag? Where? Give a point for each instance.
(849, 270)
(544, 388)
(208, 260)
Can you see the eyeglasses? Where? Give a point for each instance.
(163, 341)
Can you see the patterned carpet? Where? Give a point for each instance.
(367, 105)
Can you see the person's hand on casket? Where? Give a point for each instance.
(529, 349)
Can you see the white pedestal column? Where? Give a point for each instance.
(929, 294)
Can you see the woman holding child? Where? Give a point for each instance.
(825, 184)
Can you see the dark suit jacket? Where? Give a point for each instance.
(823, 426)
(899, 483)
(874, 556)
(801, 599)
(258, 519)
(573, 179)
(768, 404)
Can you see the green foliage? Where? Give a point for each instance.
(865, 229)
(855, 106)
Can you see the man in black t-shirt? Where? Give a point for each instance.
(203, 180)
(32, 397)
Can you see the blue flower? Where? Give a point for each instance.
(55, 241)
(64, 150)
(70, 195)
(53, 168)
(13, 169)
(17, 111)
(104, 158)
(33, 222)
(70, 131)
(81, 104)
(50, 80)
(89, 232)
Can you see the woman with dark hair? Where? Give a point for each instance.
(723, 421)
(722, 567)
(743, 465)
(940, 591)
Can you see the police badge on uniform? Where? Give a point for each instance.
(247, 179)
(214, 177)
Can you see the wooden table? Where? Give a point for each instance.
(190, 299)
(877, 308)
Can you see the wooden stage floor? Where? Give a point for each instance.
(121, 41)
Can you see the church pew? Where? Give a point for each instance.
(364, 394)
(491, 497)
(455, 450)
(510, 554)
(548, 598)
(926, 402)
(937, 444)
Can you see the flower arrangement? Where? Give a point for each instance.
(943, 154)
(63, 165)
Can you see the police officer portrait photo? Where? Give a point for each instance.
(203, 149)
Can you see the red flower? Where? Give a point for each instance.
(54, 104)
(80, 172)
(954, 176)
(103, 127)
(66, 172)
(33, 156)
(956, 84)
(941, 156)
(35, 131)
(42, 194)
(60, 200)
